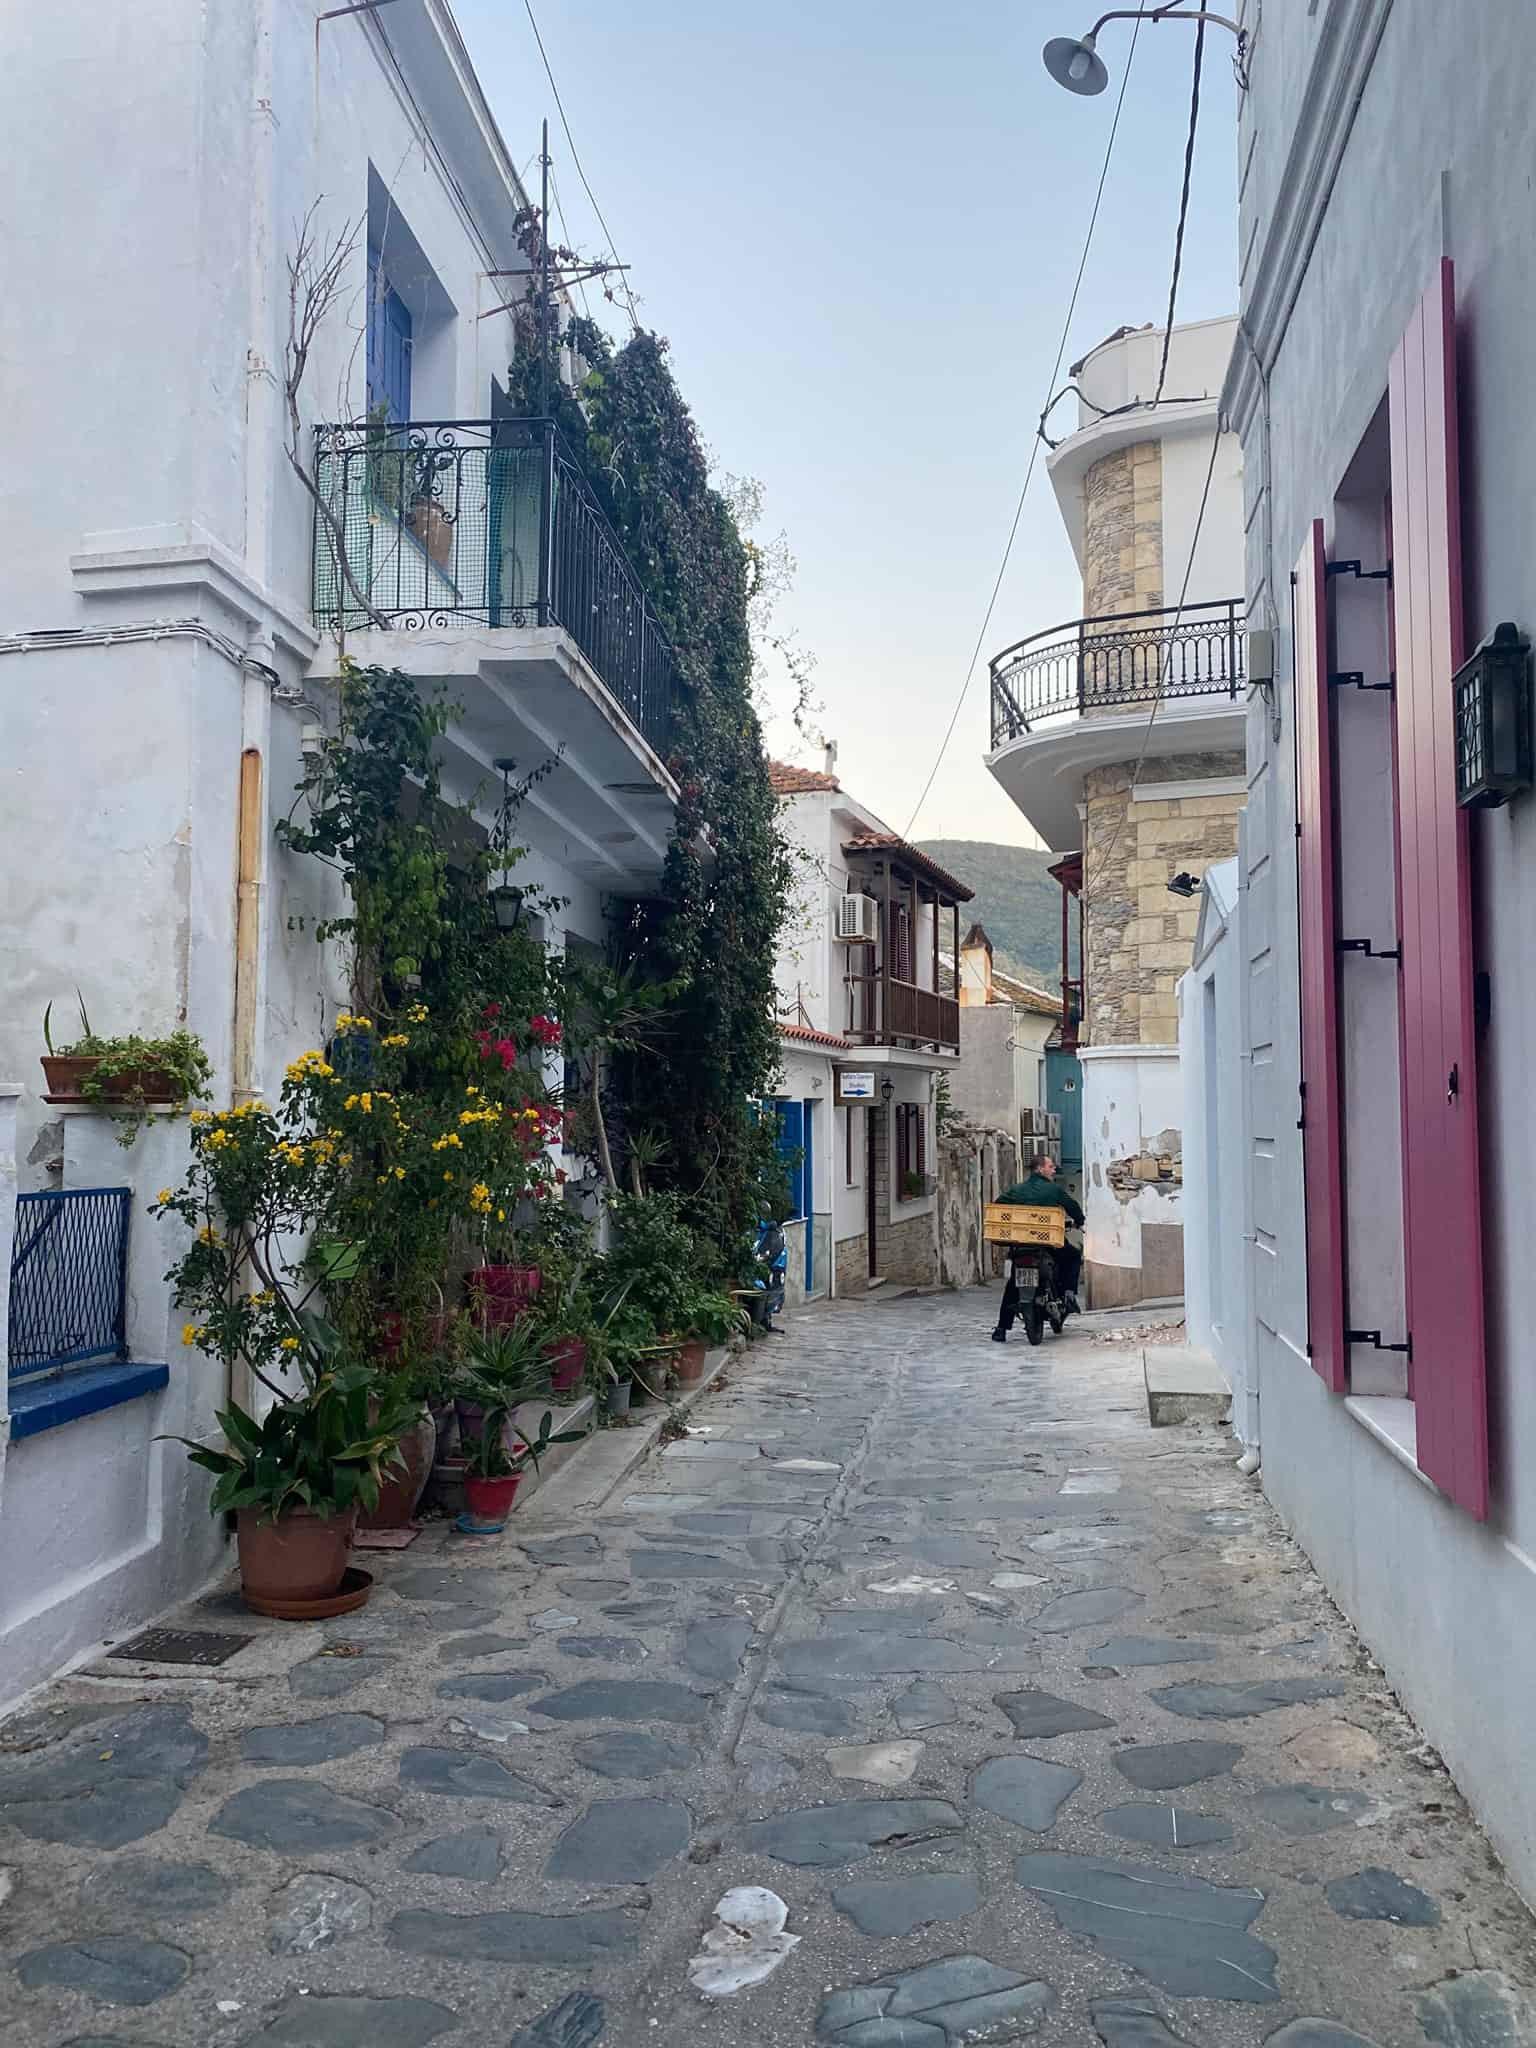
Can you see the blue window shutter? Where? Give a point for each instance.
(389, 344)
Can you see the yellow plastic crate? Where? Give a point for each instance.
(1006, 1224)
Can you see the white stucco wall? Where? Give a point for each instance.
(1132, 1095)
(1211, 1074)
(1400, 171)
(156, 367)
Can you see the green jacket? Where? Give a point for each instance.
(1036, 1192)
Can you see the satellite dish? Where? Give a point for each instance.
(1076, 65)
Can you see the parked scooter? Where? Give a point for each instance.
(768, 1278)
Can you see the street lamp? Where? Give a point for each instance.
(1075, 61)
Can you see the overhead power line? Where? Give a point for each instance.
(1178, 237)
(576, 160)
(1029, 471)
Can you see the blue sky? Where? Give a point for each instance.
(857, 221)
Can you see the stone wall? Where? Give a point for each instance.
(1139, 938)
(909, 1251)
(1123, 531)
(852, 1257)
(974, 1165)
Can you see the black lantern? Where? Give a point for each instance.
(887, 1089)
(506, 900)
(1492, 697)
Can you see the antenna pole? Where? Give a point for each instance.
(544, 278)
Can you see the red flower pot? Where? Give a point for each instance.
(690, 1363)
(490, 1500)
(501, 1293)
(567, 1363)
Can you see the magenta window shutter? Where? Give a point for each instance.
(1441, 1220)
(1322, 1175)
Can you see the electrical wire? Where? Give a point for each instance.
(576, 160)
(1178, 237)
(1018, 510)
(1166, 667)
(581, 285)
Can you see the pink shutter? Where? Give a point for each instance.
(1322, 1174)
(1442, 1228)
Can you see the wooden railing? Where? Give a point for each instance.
(884, 1012)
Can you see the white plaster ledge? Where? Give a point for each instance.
(139, 561)
(1392, 1421)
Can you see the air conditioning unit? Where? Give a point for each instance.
(858, 920)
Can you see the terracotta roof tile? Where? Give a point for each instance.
(804, 1034)
(912, 857)
(788, 780)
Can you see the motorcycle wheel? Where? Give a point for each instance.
(1034, 1321)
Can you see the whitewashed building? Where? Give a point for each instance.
(1382, 392)
(866, 1029)
(1119, 737)
(169, 628)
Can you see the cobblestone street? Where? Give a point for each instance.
(1031, 1716)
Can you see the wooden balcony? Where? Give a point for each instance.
(899, 1013)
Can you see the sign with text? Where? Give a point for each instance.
(854, 1084)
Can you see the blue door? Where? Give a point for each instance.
(1064, 1095)
(796, 1144)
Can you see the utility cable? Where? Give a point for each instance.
(576, 160)
(1178, 238)
(1018, 510)
(1164, 670)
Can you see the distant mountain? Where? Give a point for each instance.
(1015, 899)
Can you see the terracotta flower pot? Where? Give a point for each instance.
(567, 1363)
(400, 1491)
(299, 1556)
(499, 1294)
(433, 528)
(689, 1364)
(67, 1073)
(490, 1500)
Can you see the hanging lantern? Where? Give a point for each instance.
(1491, 694)
(506, 897)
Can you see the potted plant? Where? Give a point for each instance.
(427, 519)
(297, 1477)
(504, 1365)
(714, 1319)
(498, 1458)
(126, 1074)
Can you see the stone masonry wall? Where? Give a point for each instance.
(852, 1257)
(1139, 938)
(909, 1251)
(1123, 531)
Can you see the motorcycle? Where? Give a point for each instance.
(1041, 1297)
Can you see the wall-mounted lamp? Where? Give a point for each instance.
(1492, 697)
(887, 1089)
(1184, 884)
(1075, 61)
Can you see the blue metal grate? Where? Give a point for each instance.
(68, 1278)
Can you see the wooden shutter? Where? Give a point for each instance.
(1322, 1169)
(1443, 1263)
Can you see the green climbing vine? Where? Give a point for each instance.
(714, 925)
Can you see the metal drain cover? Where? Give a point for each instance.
(181, 1646)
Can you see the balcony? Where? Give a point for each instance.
(901, 1013)
(888, 1002)
(1081, 696)
(474, 553)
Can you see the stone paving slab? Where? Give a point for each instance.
(910, 1663)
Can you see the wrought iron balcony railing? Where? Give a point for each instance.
(1172, 651)
(466, 523)
(68, 1278)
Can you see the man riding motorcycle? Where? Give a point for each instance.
(1038, 1190)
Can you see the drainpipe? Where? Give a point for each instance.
(263, 440)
